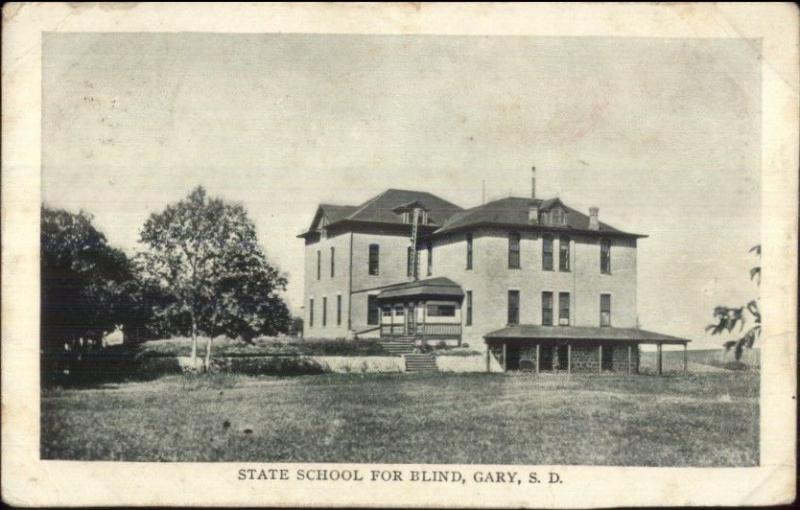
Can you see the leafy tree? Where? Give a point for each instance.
(203, 253)
(84, 288)
(728, 318)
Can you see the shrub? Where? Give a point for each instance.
(273, 365)
(735, 365)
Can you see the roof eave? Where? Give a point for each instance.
(530, 227)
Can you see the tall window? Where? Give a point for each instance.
(605, 309)
(513, 307)
(469, 251)
(333, 261)
(374, 259)
(339, 310)
(324, 311)
(469, 308)
(563, 308)
(372, 309)
(410, 261)
(319, 264)
(311, 313)
(547, 308)
(605, 256)
(563, 253)
(547, 253)
(513, 250)
(430, 258)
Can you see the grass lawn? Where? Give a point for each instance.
(708, 419)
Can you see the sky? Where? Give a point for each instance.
(663, 135)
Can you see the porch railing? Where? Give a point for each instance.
(423, 330)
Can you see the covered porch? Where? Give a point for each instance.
(427, 310)
(576, 349)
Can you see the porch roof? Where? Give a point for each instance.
(531, 332)
(432, 287)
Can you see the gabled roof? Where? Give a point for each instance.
(384, 209)
(432, 287)
(513, 212)
(532, 332)
(337, 212)
(381, 208)
(447, 217)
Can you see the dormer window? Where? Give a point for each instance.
(556, 217)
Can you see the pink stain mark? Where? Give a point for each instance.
(599, 107)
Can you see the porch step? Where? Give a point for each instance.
(398, 346)
(420, 363)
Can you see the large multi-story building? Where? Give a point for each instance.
(539, 284)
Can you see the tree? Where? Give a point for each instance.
(84, 287)
(204, 254)
(728, 318)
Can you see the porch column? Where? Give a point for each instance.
(505, 361)
(538, 352)
(685, 358)
(569, 358)
(600, 359)
(488, 354)
(421, 327)
(658, 358)
(629, 358)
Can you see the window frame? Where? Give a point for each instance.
(319, 265)
(608, 311)
(564, 253)
(324, 311)
(468, 299)
(430, 258)
(333, 261)
(432, 309)
(547, 311)
(562, 308)
(514, 250)
(373, 309)
(469, 239)
(338, 309)
(374, 258)
(605, 255)
(516, 300)
(547, 254)
(311, 312)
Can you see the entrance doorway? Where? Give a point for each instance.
(607, 360)
(563, 357)
(512, 357)
(410, 314)
(547, 352)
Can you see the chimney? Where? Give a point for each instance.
(594, 223)
(533, 182)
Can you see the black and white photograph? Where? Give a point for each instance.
(312, 256)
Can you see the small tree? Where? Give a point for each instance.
(728, 318)
(205, 255)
